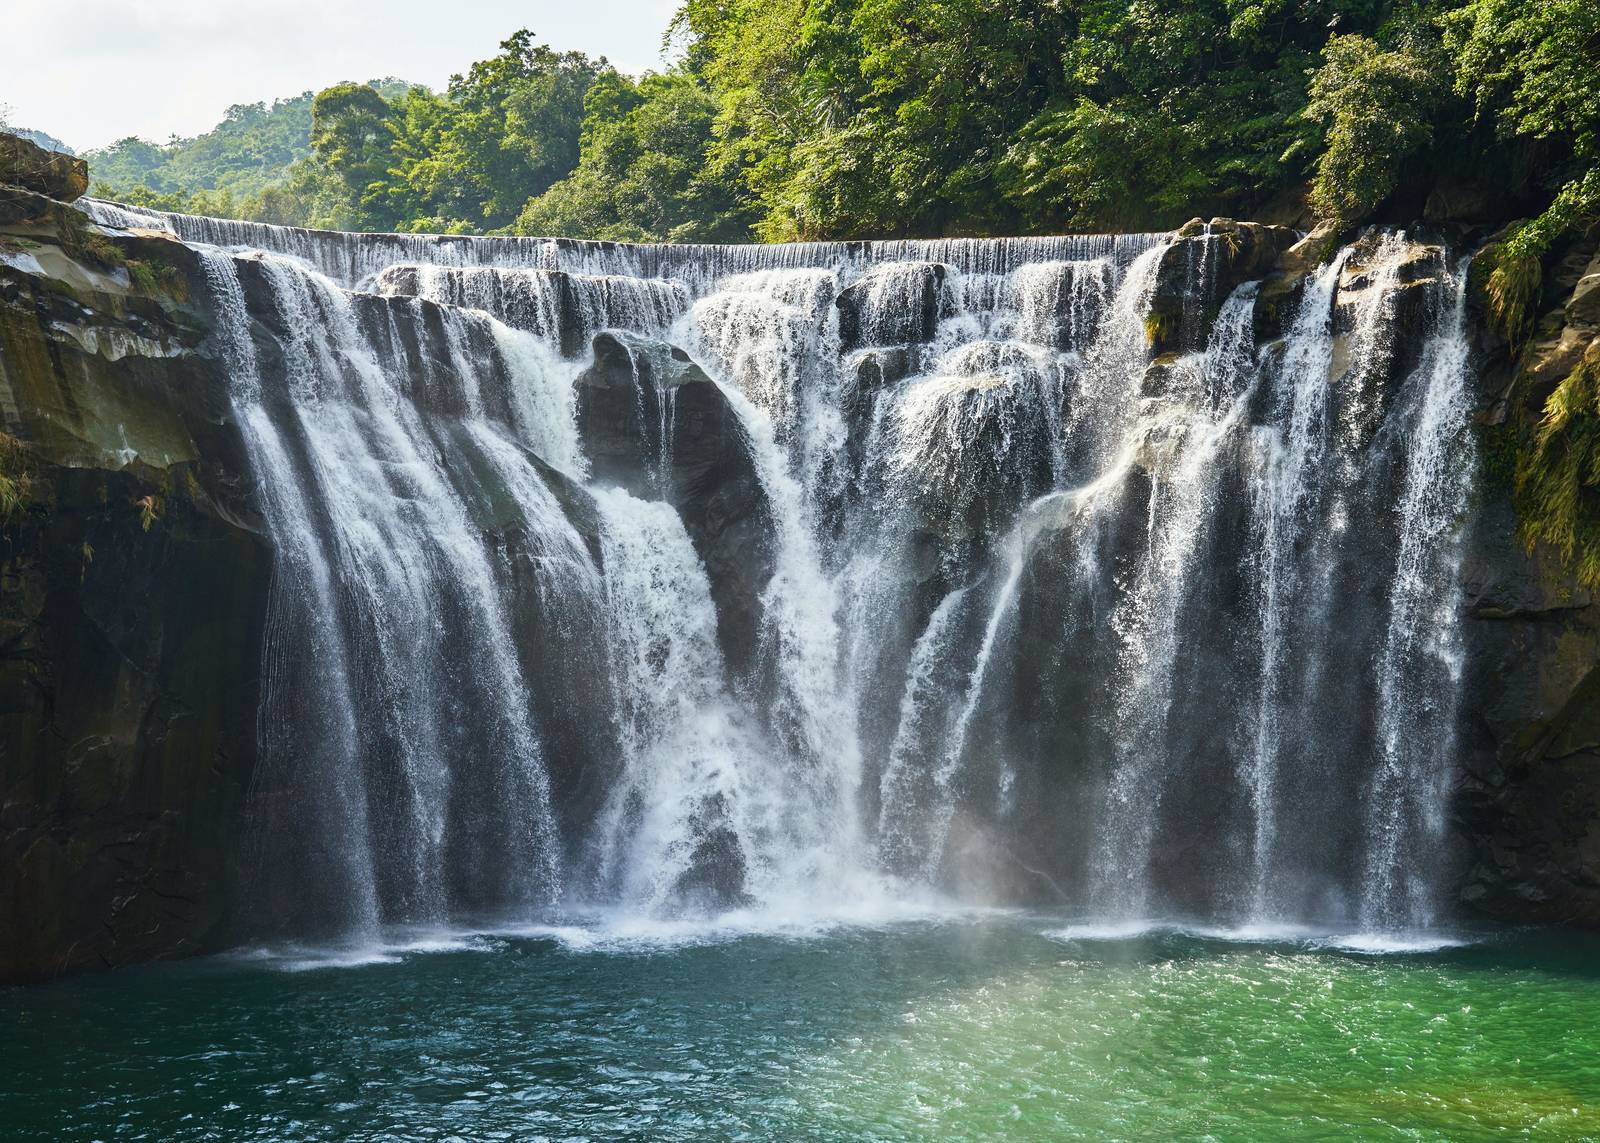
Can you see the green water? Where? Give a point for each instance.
(975, 1029)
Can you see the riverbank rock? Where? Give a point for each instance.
(25, 164)
(134, 600)
(1529, 800)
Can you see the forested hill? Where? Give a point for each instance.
(237, 169)
(847, 118)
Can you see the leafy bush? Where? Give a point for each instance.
(1375, 107)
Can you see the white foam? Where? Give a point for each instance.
(391, 949)
(1392, 944)
(1309, 937)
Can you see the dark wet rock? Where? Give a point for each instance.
(1281, 289)
(654, 423)
(1529, 801)
(1583, 307)
(19, 205)
(25, 164)
(891, 305)
(1204, 264)
(716, 875)
(131, 620)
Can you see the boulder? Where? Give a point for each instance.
(1583, 308)
(27, 165)
(1203, 265)
(18, 205)
(715, 877)
(897, 304)
(654, 423)
(1280, 290)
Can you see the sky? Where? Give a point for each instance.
(93, 71)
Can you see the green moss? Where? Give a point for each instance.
(81, 239)
(1160, 328)
(1557, 480)
(157, 278)
(1500, 446)
(1511, 279)
(16, 476)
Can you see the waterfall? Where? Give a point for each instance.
(699, 803)
(1419, 669)
(849, 573)
(1185, 434)
(1285, 480)
(304, 628)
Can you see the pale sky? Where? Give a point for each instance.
(92, 71)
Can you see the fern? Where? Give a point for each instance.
(1558, 473)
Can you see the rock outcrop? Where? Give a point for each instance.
(135, 583)
(136, 575)
(871, 311)
(653, 423)
(1207, 262)
(29, 166)
(1529, 805)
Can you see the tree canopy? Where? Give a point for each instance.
(799, 119)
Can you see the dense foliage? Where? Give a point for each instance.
(785, 119)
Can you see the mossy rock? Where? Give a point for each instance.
(25, 164)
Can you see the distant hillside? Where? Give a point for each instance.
(47, 141)
(248, 152)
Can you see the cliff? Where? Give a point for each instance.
(133, 600)
(1529, 803)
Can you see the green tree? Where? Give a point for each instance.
(1534, 70)
(516, 122)
(353, 137)
(1376, 107)
(646, 173)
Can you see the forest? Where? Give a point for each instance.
(808, 119)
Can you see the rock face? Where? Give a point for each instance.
(134, 594)
(1199, 270)
(1530, 796)
(871, 310)
(653, 423)
(27, 165)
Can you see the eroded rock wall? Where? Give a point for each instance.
(132, 596)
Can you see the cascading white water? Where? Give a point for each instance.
(1205, 400)
(1030, 595)
(695, 770)
(1286, 474)
(303, 605)
(1419, 670)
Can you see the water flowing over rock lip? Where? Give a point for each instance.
(991, 255)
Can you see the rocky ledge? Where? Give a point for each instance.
(134, 589)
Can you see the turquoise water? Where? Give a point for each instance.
(987, 1027)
